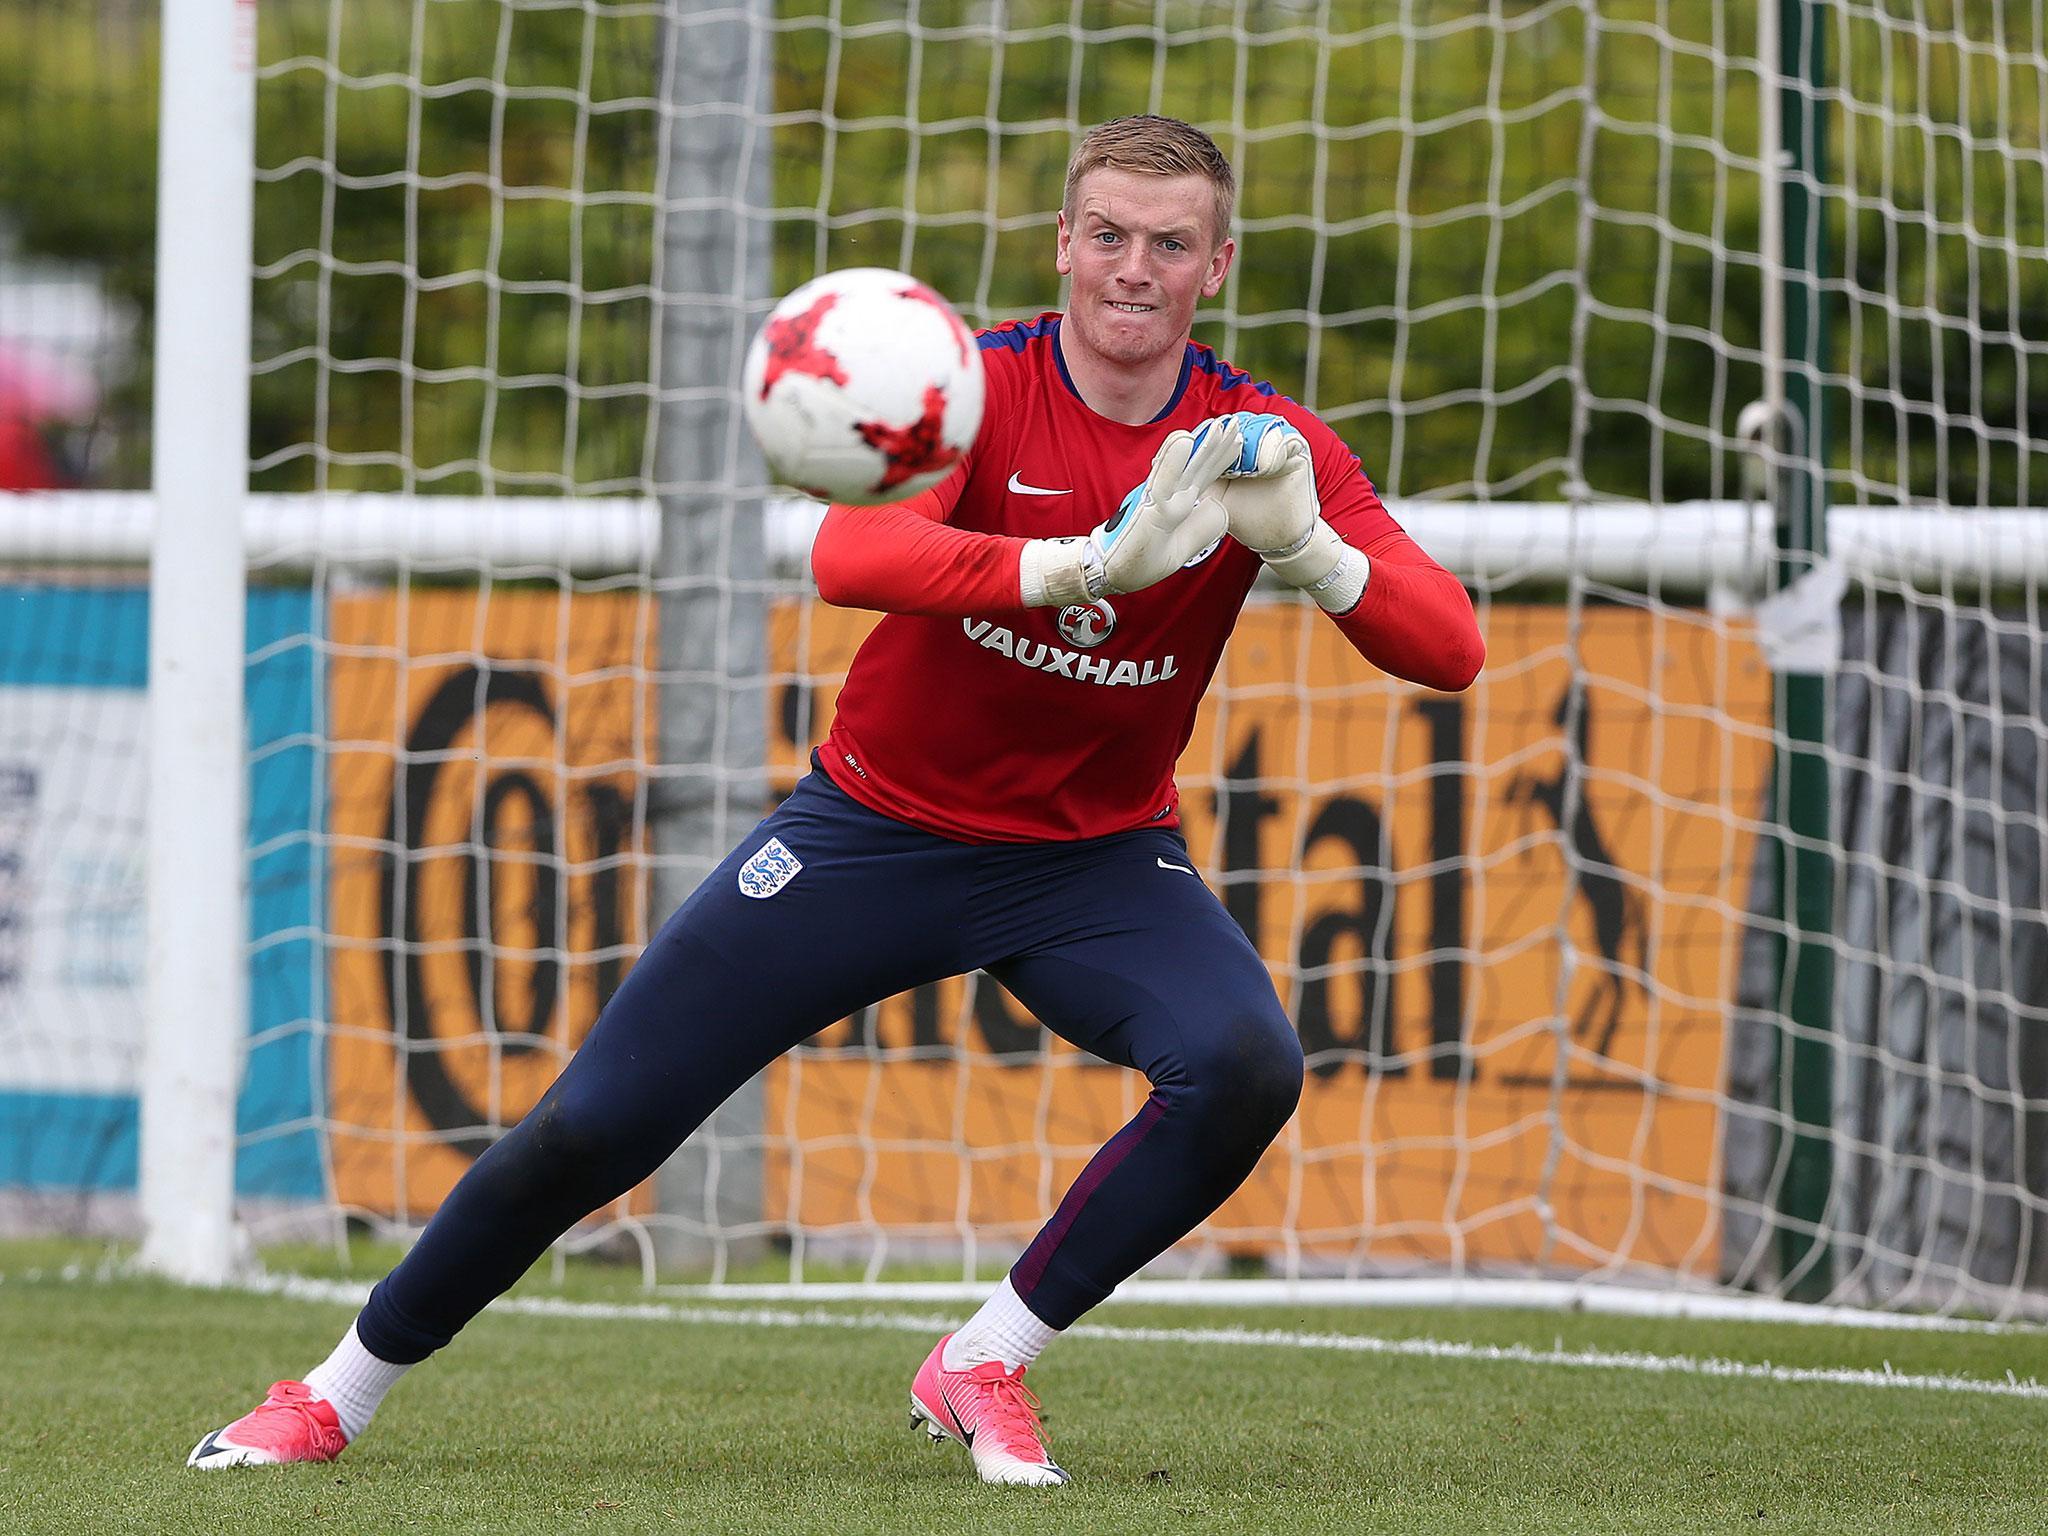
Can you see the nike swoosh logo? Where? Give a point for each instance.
(1022, 489)
(1181, 867)
(966, 1434)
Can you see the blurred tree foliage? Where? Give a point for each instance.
(1490, 277)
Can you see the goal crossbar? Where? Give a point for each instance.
(1675, 547)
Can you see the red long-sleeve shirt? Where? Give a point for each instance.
(972, 716)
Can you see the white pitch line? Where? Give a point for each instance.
(1471, 1294)
(354, 1294)
(1713, 1367)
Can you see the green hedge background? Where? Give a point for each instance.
(1458, 220)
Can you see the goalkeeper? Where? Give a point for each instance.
(996, 793)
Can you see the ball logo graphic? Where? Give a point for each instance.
(1087, 625)
(863, 386)
(790, 341)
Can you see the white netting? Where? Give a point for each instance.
(1516, 253)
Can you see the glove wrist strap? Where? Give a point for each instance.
(1052, 573)
(1307, 537)
(1325, 567)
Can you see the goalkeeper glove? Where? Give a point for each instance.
(1161, 525)
(1270, 494)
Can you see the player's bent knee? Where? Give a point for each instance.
(1246, 1079)
(1271, 1083)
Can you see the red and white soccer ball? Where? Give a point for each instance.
(863, 386)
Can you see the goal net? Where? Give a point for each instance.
(530, 642)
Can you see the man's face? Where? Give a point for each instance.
(1142, 251)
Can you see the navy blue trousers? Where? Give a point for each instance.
(1113, 942)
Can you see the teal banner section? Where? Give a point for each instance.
(74, 665)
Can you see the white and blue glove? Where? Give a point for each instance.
(1162, 525)
(1270, 494)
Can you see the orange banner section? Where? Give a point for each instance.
(485, 888)
(1505, 922)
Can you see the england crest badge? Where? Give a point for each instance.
(769, 870)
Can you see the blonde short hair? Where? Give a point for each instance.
(1154, 146)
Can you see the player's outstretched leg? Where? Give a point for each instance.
(616, 1112)
(709, 1004)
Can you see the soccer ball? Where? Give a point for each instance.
(863, 386)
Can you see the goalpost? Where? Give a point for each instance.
(1594, 989)
(194, 998)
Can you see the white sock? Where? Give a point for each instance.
(1004, 1329)
(355, 1381)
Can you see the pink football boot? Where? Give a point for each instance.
(991, 1412)
(291, 1425)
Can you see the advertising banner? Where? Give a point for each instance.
(1504, 922)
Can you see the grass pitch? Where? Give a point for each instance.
(579, 1423)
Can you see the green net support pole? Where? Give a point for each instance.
(1805, 856)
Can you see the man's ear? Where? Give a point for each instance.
(1219, 268)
